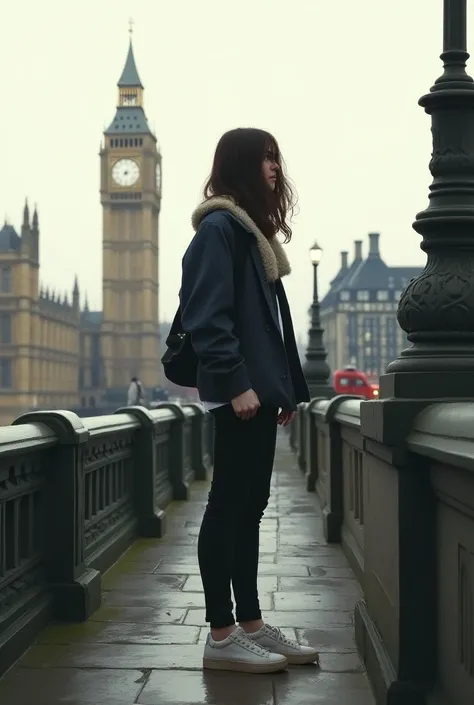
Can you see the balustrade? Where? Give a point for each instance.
(74, 494)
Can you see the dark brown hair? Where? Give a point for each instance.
(237, 172)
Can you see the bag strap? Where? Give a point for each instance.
(241, 249)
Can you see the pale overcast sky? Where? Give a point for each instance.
(336, 82)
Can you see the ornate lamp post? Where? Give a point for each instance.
(316, 369)
(437, 309)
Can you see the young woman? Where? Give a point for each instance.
(234, 307)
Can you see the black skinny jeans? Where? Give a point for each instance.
(228, 546)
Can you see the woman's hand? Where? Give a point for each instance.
(286, 417)
(246, 405)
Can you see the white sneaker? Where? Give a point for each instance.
(271, 638)
(239, 653)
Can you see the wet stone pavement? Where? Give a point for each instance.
(144, 646)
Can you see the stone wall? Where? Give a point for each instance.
(404, 514)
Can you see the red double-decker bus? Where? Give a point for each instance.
(350, 380)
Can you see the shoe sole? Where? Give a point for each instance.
(302, 659)
(242, 667)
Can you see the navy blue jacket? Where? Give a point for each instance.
(233, 325)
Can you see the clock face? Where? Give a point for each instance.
(158, 177)
(125, 172)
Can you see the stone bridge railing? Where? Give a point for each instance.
(404, 514)
(74, 494)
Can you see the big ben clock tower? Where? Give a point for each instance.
(130, 197)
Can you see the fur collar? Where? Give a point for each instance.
(275, 261)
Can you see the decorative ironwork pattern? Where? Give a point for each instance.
(108, 487)
(443, 295)
(466, 609)
(22, 483)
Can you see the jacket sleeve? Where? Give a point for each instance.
(207, 309)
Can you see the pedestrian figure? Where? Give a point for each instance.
(136, 394)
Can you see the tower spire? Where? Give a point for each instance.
(26, 214)
(130, 77)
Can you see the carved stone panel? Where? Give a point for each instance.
(455, 577)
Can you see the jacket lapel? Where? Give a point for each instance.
(261, 276)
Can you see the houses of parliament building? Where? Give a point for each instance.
(55, 353)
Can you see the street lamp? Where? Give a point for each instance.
(315, 254)
(437, 308)
(316, 369)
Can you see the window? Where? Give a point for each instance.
(345, 296)
(6, 280)
(5, 328)
(5, 373)
(362, 296)
(344, 382)
(382, 295)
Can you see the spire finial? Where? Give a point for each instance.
(130, 27)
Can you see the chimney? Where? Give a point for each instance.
(374, 250)
(344, 260)
(358, 249)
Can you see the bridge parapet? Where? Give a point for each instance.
(74, 494)
(404, 515)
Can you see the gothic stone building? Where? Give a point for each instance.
(55, 353)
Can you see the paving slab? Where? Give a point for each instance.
(124, 614)
(322, 600)
(301, 686)
(317, 585)
(144, 645)
(70, 686)
(209, 688)
(119, 633)
(331, 639)
(119, 656)
(267, 584)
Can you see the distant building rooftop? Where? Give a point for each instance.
(368, 274)
(91, 319)
(129, 120)
(9, 239)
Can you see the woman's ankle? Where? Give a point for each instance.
(223, 632)
(253, 626)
